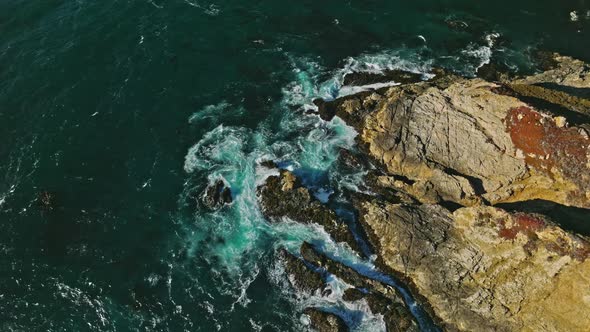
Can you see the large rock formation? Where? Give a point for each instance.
(484, 269)
(446, 151)
(466, 141)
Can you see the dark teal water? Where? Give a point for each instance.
(125, 110)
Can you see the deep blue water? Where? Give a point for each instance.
(124, 111)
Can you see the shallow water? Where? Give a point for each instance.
(125, 110)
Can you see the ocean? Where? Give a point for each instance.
(119, 113)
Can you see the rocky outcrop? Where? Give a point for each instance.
(484, 269)
(324, 321)
(551, 98)
(301, 277)
(394, 315)
(560, 70)
(382, 298)
(464, 141)
(444, 155)
(217, 195)
(284, 196)
(308, 276)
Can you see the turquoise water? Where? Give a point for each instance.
(126, 110)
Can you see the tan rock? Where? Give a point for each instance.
(461, 141)
(560, 121)
(483, 269)
(567, 71)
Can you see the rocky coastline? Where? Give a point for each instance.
(443, 157)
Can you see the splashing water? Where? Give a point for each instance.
(307, 146)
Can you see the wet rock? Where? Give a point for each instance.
(545, 60)
(352, 108)
(217, 195)
(396, 317)
(353, 294)
(494, 72)
(284, 196)
(482, 268)
(347, 274)
(368, 78)
(311, 112)
(301, 276)
(326, 110)
(268, 164)
(382, 298)
(352, 160)
(325, 322)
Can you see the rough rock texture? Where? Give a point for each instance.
(300, 276)
(217, 195)
(381, 298)
(561, 70)
(394, 316)
(284, 196)
(442, 152)
(553, 97)
(494, 72)
(484, 269)
(460, 140)
(325, 322)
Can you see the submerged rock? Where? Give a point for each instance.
(217, 195)
(457, 24)
(46, 200)
(325, 322)
(482, 268)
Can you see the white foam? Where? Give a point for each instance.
(350, 90)
(481, 53)
(79, 298)
(219, 146)
(211, 9)
(233, 154)
(263, 173)
(212, 112)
